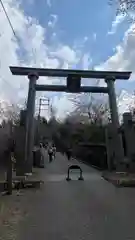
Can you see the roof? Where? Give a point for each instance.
(24, 71)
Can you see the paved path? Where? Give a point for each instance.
(91, 210)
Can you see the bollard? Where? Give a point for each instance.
(75, 167)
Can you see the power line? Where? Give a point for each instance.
(3, 7)
(8, 19)
(11, 25)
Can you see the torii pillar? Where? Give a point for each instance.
(29, 140)
(118, 146)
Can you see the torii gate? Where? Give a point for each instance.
(73, 85)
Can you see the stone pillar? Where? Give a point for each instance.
(109, 147)
(112, 101)
(29, 140)
(118, 146)
(129, 132)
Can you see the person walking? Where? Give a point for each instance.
(54, 151)
(50, 153)
(42, 155)
(69, 153)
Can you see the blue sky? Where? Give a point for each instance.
(74, 34)
(76, 21)
(79, 20)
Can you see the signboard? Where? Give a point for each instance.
(73, 83)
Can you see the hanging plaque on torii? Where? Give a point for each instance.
(73, 84)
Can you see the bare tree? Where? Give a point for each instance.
(1, 110)
(124, 7)
(10, 112)
(96, 109)
(131, 106)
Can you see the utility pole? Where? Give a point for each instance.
(133, 111)
(42, 102)
(10, 149)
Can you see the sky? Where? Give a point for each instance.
(64, 34)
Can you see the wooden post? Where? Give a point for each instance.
(108, 150)
(9, 173)
(9, 150)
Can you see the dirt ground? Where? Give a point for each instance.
(13, 209)
(90, 209)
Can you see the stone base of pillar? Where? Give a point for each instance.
(19, 136)
(114, 148)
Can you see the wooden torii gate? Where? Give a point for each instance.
(73, 85)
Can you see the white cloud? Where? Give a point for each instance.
(125, 101)
(63, 104)
(86, 61)
(31, 49)
(117, 21)
(53, 21)
(31, 1)
(65, 65)
(49, 3)
(66, 54)
(54, 34)
(94, 36)
(123, 60)
(85, 39)
(124, 57)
